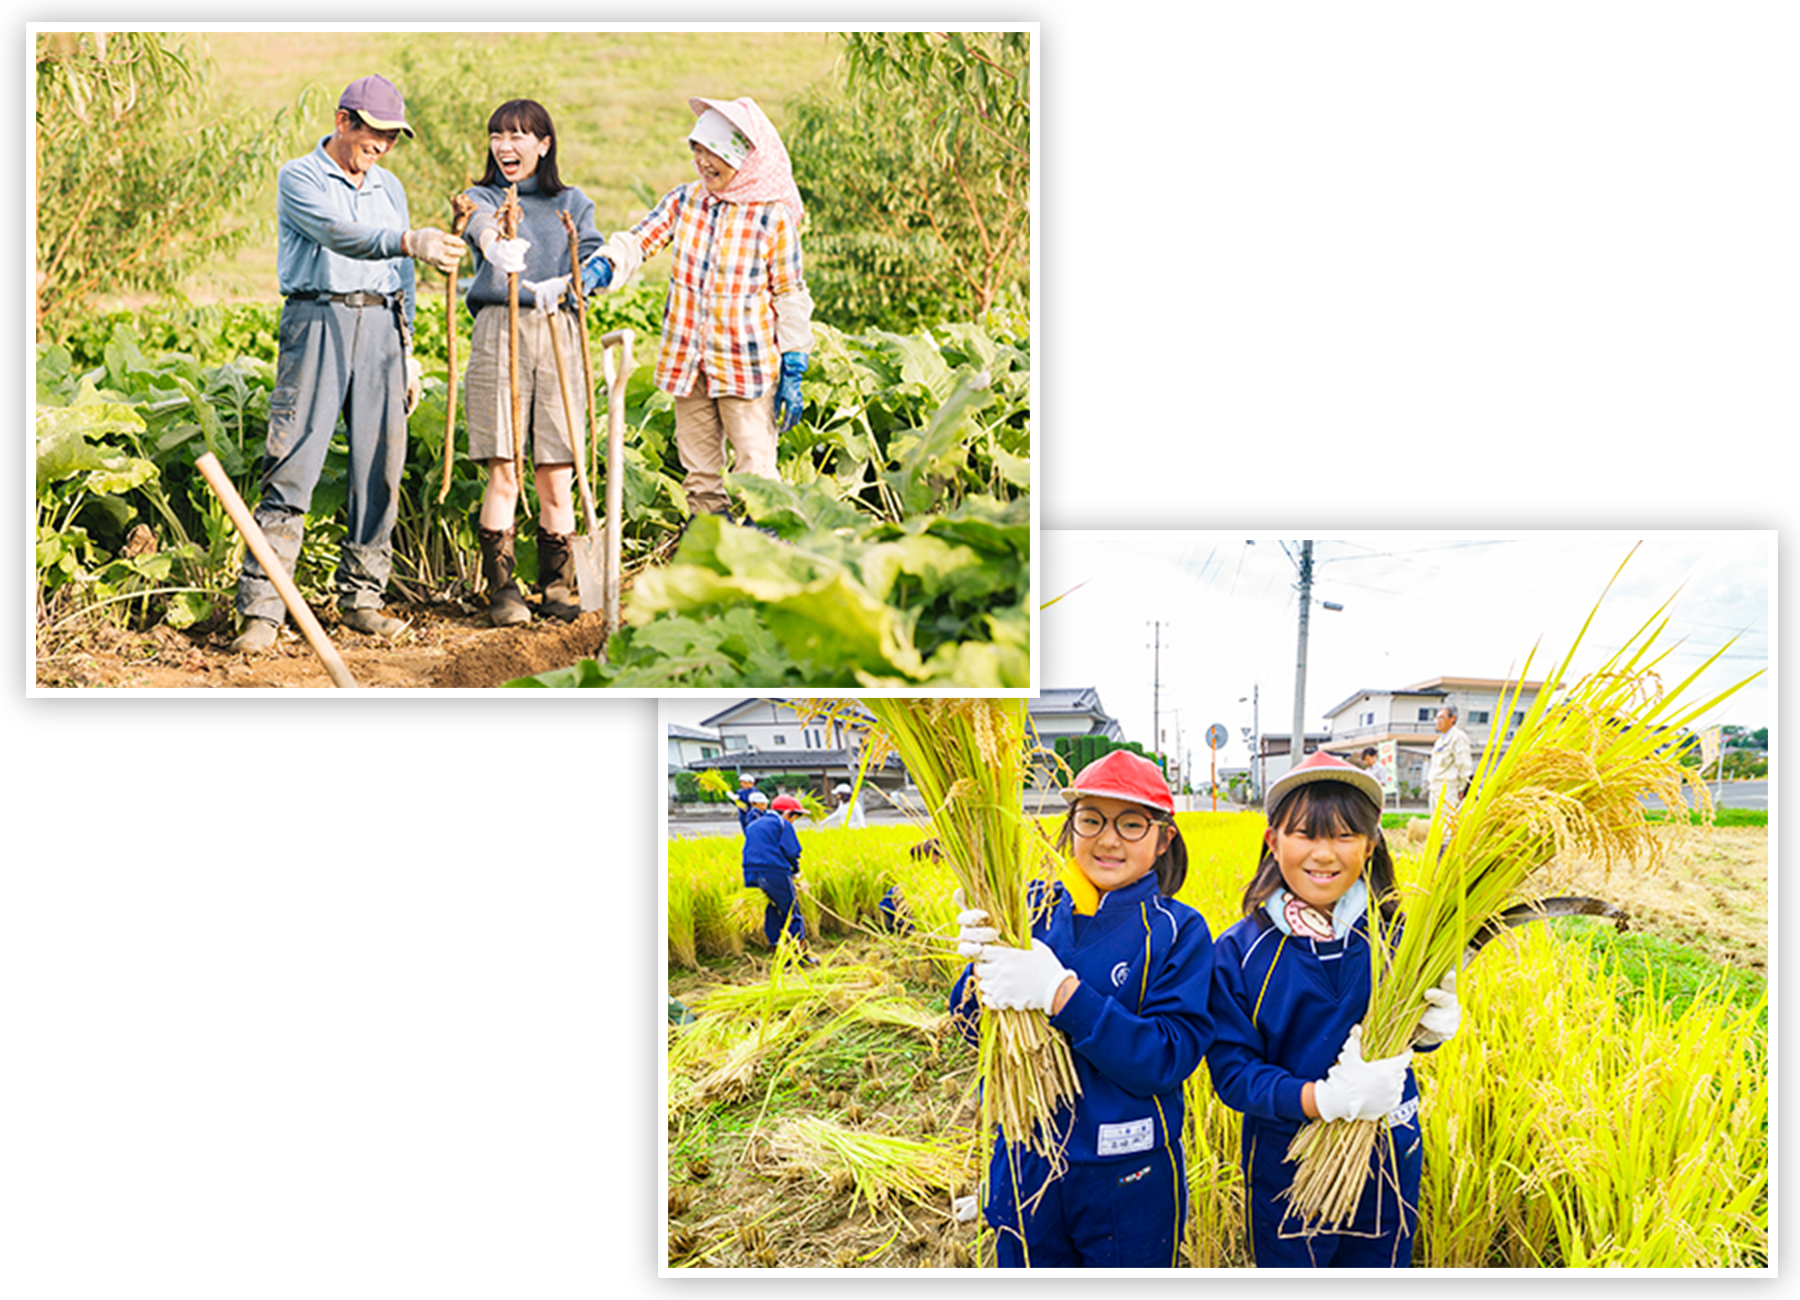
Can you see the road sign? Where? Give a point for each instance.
(1216, 736)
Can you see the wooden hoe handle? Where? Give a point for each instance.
(258, 542)
(461, 208)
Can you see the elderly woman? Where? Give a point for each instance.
(737, 326)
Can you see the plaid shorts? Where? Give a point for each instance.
(488, 397)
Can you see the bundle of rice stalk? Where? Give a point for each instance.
(968, 759)
(1572, 779)
(878, 1168)
(713, 781)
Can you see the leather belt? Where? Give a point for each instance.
(361, 298)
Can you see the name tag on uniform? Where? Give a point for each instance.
(1402, 1115)
(1122, 1139)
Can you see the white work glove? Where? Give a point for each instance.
(506, 256)
(1440, 1022)
(435, 247)
(965, 1208)
(1359, 1089)
(415, 384)
(547, 294)
(973, 933)
(1019, 979)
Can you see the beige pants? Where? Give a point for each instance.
(703, 425)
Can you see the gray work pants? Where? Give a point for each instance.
(334, 360)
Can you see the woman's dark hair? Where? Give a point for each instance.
(1171, 864)
(534, 119)
(1321, 809)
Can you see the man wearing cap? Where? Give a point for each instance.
(344, 263)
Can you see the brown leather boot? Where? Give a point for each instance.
(506, 604)
(556, 575)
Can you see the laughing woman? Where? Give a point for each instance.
(522, 152)
(737, 324)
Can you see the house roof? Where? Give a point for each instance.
(679, 732)
(803, 760)
(1434, 687)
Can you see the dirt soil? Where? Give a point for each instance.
(443, 646)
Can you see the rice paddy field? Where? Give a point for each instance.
(1605, 1104)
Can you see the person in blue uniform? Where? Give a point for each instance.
(1290, 988)
(1123, 970)
(743, 796)
(771, 864)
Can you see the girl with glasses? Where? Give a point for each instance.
(1123, 969)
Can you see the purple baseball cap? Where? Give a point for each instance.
(377, 101)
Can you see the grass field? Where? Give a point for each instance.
(619, 100)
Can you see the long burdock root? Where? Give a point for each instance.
(461, 209)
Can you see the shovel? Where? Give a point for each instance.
(612, 535)
(616, 379)
(587, 551)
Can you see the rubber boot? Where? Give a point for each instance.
(556, 575)
(506, 604)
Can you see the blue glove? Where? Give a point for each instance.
(788, 402)
(596, 274)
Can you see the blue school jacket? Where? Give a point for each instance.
(1138, 1023)
(770, 841)
(1282, 1007)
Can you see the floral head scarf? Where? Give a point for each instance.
(766, 175)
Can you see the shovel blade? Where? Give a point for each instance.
(589, 552)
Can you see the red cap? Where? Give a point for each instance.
(1123, 775)
(786, 803)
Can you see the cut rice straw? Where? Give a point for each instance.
(968, 758)
(879, 1168)
(1572, 779)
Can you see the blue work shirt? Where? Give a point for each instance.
(334, 236)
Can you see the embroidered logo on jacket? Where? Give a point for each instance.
(1120, 974)
(1133, 1176)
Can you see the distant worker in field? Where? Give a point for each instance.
(1370, 762)
(772, 864)
(344, 262)
(1452, 766)
(848, 812)
(741, 797)
(737, 326)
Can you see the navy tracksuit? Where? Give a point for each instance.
(771, 861)
(1282, 1007)
(746, 811)
(1139, 1026)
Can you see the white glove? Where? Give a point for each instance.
(435, 247)
(506, 256)
(546, 294)
(974, 931)
(1022, 979)
(1441, 1020)
(1359, 1089)
(965, 1208)
(415, 384)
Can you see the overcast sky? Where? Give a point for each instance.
(1416, 605)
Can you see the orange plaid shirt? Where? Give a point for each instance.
(732, 260)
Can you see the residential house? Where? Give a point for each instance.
(1408, 717)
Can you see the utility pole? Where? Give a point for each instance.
(1156, 692)
(1297, 749)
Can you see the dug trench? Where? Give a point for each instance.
(444, 646)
